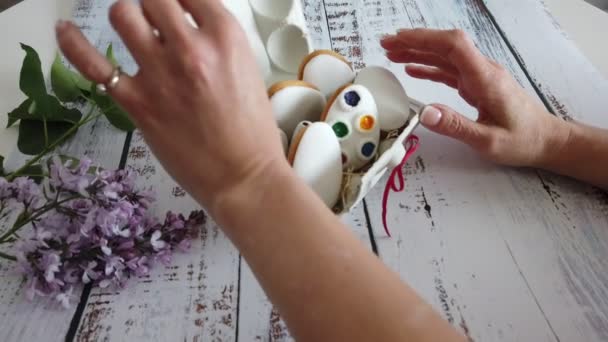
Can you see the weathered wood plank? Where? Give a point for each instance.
(258, 320)
(458, 212)
(194, 299)
(568, 81)
(45, 320)
(578, 214)
(445, 230)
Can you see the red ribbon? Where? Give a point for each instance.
(396, 181)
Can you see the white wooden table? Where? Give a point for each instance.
(504, 254)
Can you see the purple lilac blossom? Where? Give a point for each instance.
(101, 233)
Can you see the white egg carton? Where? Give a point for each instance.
(359, 185)
(277, 33)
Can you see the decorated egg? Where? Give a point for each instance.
(353, 116)
(294, 102)
(327, 70)
(315, 156)
(391, 99)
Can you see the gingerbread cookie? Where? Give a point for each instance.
(295, 101)
(327, 70)
(315, 156)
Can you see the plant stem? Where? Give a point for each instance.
(7, 256)
(39, 212)
(88, 118)
(46, 133)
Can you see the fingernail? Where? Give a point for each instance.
(386, 36)
(430, 116)
(61, 25)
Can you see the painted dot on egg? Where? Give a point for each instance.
(352, 98)
(367, 122)
(368, 149)
(341, 129)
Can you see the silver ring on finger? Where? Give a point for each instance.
(112, 83)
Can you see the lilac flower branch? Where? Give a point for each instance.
(92, 227)
(34, 216)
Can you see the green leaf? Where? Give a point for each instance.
(116, 115)
(63, 81)
(31, 80)
(83, 84)
(55, 112)
(21, 112)
(58, 113)
(119, 118)
(34, 172)
(110, 55)
(57, 119)
(31, 140)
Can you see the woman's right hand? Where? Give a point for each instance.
(511, 129)
(198, 96)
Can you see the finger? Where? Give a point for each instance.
(432, 74)
(419, 57)
(128, 20)
(446, 121)
(91, 64)
(169, 18)
(205, 13)
(454, 45)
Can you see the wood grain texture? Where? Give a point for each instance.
(195, 299)
(569, 82)
(504, 254)
(480, 242)
(575, 90)
(44, 319)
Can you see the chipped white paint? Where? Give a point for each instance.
(504, 254)
(194, 299)
(45, 320)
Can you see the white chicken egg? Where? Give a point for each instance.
(392, 100)
(295, 101)
(315, 156)
(327, 70)
(353, 115)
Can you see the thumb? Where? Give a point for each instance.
(446, 121)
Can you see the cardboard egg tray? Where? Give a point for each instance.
(278, 35)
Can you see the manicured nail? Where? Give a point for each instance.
(61, 25)
(430, 116)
